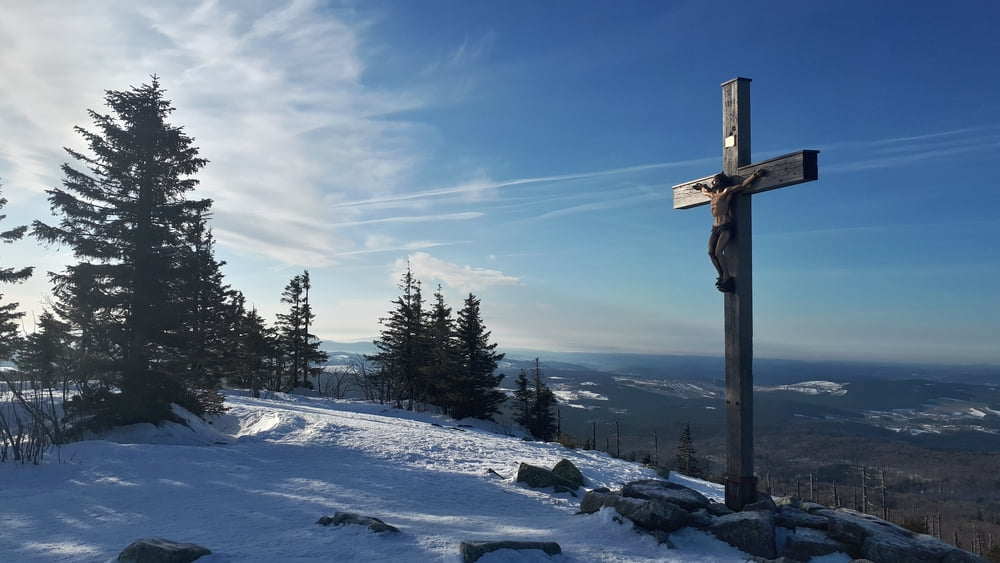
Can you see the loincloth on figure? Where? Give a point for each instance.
(718, 229)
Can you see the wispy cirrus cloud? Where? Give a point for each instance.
(480, 186)
(895, 152)
(463, 216)
(272, 92)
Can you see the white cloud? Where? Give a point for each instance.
(427, 269)
(477, 189)
(272, 93)
(463, 216)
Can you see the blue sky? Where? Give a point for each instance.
(525, 150)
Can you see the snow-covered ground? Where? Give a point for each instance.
(252, 485)
(809, 388)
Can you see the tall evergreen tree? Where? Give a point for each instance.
(687, 461)
(544, 426)
(9, 315)
(534, 405)
(92, 329)
(125, 218)
(204, 338)
(523, 400)
(401, 350)
(254, 347)
(473, 390)
(299, 347)
(46, 355)
(442, 354)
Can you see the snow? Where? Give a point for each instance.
(569, 396)
(809, 388)
(251, 485)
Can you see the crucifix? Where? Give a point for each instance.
(738, 172)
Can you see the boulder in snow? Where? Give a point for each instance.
(540, 478)
(341, 518)
(806, 543)
(473, 550)
(752, 532)
(159, 550)
(764, 504)
(893, 548)
(788, 517)
(649, 514)
(569, 473)
(684, 497)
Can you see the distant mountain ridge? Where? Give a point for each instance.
(767, 371)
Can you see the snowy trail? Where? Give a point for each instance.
(290, 460)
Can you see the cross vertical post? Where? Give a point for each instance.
(787, 170)
(741, 485)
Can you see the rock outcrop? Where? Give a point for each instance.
(473, 550)
(343, 518)
(159, 550)
(749, 531)
(806, 529)
(569, 473)
(564, 477)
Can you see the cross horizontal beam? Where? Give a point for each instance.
(782, 171)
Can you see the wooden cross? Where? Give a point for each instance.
(788, 170)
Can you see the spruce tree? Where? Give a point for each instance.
(687, 461)
(9, 315)
(543, 418)
(473, 390)
(521, 407)
(298, 346)
(125, 216)
(534, 405)
(253, 346)
(401, 347)
(204, 338)
(93, 329)
(46, 355)
(442, 354)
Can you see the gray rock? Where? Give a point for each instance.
(766, 504)
(568, 472)
(594, 501)
(806, 505)
(562, 489)
(648, 514)
(473, 550)
(853, 527)
(811, 507)
(789, 517)
(807, 543)
(540, 478)
(752, 532)
(159, 550)
(961, 556)
(688, 499)
(342, 518)
(718, 508)
(653, 514)
(895, 548)
(700, 519)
